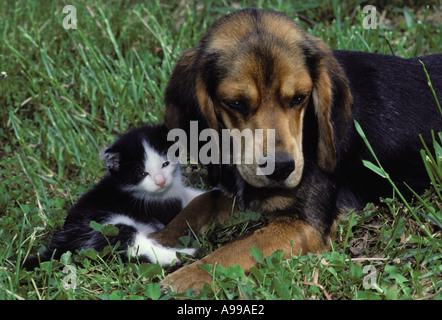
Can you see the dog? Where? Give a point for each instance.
(258, 69)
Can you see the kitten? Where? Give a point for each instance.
(141, 193)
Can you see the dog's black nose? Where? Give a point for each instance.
(284, 166)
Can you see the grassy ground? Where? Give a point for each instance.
(69, 91)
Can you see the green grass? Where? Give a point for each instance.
(69, 92)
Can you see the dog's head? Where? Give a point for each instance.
(257, 69)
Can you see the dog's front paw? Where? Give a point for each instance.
(188, 277)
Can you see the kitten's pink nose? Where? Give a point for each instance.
(159, 180)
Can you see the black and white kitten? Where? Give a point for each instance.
(141, 193)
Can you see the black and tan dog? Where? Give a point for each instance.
(257, 69)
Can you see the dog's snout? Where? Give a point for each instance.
(284, 166)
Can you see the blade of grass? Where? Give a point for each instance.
(385, 175)
(433, 172)
(431, 87)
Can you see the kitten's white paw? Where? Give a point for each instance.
(154, 251)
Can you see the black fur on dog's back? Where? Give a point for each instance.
(394, 105)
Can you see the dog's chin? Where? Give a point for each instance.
(250, 174)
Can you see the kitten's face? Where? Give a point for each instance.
(151, 175)
(156, 173)
(138, 161)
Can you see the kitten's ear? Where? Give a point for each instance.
(111, 159)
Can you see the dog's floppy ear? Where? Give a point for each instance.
(331, 98)
(186, 96)
(180, 94)
(206, 80)
(187, 99)
(111, 159)
(206, 103)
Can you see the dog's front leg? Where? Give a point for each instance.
(283, 233)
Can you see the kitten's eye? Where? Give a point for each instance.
(144, 174)
(165, 164)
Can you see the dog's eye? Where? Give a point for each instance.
(298, 99)
(236, 105)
